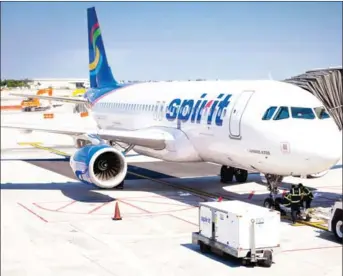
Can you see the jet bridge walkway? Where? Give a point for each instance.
(326, 85)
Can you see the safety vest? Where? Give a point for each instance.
(307, 192)
(295, 195)
(287, 200)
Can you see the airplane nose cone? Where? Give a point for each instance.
(325, 150)
(316, 151)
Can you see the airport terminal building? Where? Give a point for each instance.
(69, 83)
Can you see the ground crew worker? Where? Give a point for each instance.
(295, 198)
(307, 195)
(286, 202)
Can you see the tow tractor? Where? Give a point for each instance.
(34, 104)
(318, 217)
(335, 222)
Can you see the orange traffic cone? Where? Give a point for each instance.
(116, 212)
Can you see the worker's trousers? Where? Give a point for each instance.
(308, 203)
(295, 209)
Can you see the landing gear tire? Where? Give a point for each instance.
(337, 228)
(269, 203)
(120, 186)
(226, 174)
(278, 201)
(241, 176)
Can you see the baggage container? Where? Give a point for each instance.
(240, 229)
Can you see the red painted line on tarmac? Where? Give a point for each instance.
(312, 248)
(251, 194)
(136, 207)
(99, 207)
(32, 212)
(66, 205)
(184, 220)
(44, 208)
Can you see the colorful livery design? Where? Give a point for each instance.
(97, 60)
(266, 126)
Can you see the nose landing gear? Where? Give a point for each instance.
(227, 174)
(273, 181)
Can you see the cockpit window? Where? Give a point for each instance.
(321, 113)
(302, 113)
(282, 113)
(269, 113)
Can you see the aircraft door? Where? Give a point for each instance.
(237, 113)
(156, 110)
(161, 111)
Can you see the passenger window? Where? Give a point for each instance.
(321, 113)
(269, 113)
(282, 113)
(302, 113)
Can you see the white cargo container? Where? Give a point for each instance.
(240, 229)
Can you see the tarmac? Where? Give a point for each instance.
(51, 224)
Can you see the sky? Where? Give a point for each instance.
(172, 40)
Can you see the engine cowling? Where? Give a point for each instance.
(100, 165)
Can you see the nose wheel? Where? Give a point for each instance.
(273, 181)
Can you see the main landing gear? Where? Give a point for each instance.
(227, 174)
(273, 182)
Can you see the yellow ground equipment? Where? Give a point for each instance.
(34, 104)
(78, 92)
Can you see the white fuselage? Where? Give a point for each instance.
(235, 135)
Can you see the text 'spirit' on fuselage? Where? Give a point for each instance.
(185, 109)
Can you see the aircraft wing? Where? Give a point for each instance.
(153, 139)
(52, 98)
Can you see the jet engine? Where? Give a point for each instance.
(100, 165)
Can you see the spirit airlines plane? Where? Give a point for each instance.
(265, 126)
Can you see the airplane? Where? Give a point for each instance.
(266, 126)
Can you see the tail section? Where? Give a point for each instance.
(100, 73)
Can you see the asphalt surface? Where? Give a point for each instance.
(148, 169)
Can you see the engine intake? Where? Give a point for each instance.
(101, 165)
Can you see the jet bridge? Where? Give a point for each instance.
(326, 85)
